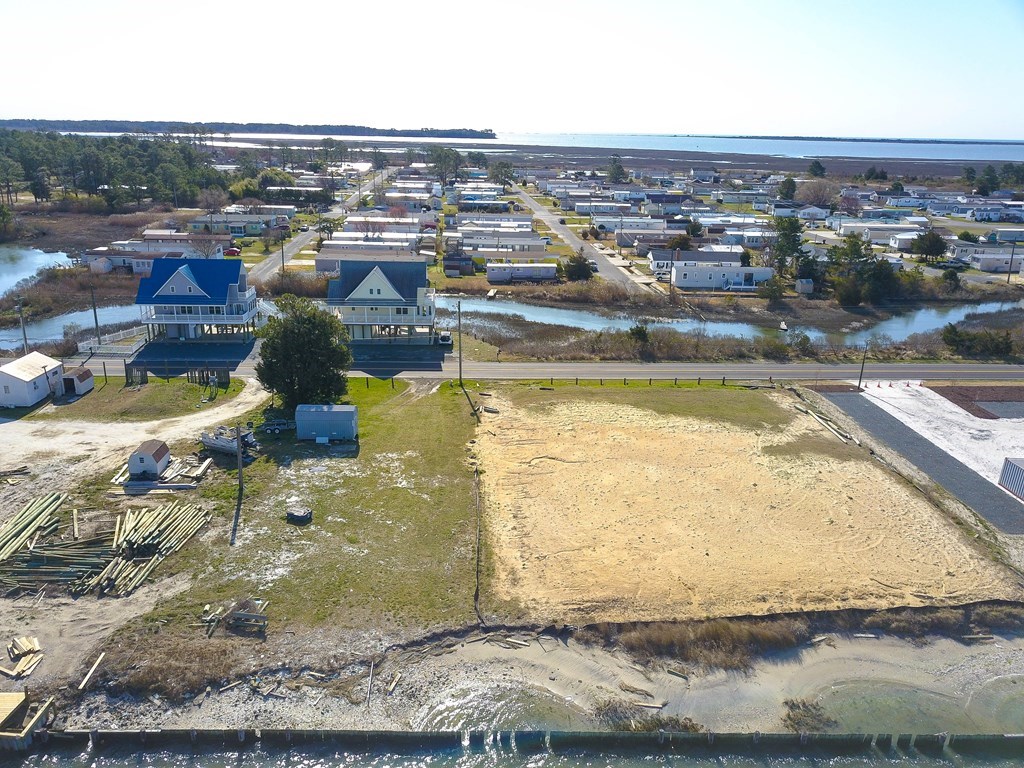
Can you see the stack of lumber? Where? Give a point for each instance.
(57, 562)
(27, 653)
(141, 541)
(37, 518)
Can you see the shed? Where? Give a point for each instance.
(326, 422)
(150, 459)
(77, 381)
(29, 379)
(804, 285)
(1012, 477)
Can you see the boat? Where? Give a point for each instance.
(783, 327)
(225, 440)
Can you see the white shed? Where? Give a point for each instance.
(149, 459)
(77, 381)
(30, 379)
(326, 422)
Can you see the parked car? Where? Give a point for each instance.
(593, 265)
(233, 252)
(304, 228)
(561, 221)
(444, 338)
(956, 266)
(276, 426)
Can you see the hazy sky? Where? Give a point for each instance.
(895, 68)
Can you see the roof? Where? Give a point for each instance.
(30, 367)
(155, 448)
(405, 276)
(213, 277)
(310, 408)
(81, 373)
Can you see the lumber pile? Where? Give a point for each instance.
(37, 518)
(56, 563)
(26, 653)
(828, 424)
(142, 540)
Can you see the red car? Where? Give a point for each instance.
(232, 251)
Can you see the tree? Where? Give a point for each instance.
(694, 229)
(304, 356)
(40, 185)
(10, 172)
(378, 159)
(476, 159)
(212, 199)
(897, 188)
(772, 289)
(818, 192)
(616, 173)
(951, 280)
(787, 248)
(850, 204)
(988, 182)
(786, 189)
(6, 221)
(678, 242)
(445, 163)
(968, 237)
(502, 173)
(929, 245)
(816, 169)
(577, 267)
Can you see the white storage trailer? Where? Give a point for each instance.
(324, 423)
(1012, 477)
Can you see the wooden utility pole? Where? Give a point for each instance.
(241, 483)
(458, 307)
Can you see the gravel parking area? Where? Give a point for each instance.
(984, 497)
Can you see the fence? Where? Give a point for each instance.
(108, 343)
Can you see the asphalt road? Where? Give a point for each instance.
(605, 268)
(430, 366)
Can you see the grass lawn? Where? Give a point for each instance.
(159, 399)
(394, 526)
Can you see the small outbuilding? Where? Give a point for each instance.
(1012, 477)
(324, 423)
(29, 379)
(77, 381)
(150, 459)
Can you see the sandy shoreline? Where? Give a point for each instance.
(551, 684)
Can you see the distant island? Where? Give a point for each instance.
(171, 126)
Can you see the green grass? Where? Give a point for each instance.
(749, 409)
(159, 399)
(394, 526)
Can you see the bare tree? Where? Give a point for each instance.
(819, 192)
(212, 199)
(850, 204)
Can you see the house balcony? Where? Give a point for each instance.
(379, 315)
(233, 315)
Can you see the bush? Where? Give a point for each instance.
(918, 623)
(773, 290)
(848, 292)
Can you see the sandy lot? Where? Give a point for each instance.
(607, 512)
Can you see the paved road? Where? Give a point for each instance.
(431, 366)
(985, 498)
(605, 268)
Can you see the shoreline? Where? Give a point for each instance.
(549, 684)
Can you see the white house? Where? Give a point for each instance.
(964, 250)
(718, 277)
(902, 241)
(498, 272)
(812, 213)
(987, 262)
(30, 379)
(783, 208)
(150, 459)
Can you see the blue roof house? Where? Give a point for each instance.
(196, 298)
(384, 299)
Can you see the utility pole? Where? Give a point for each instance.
(241, 484)
(21, 316)
(95, 315)
(458, 307)
(863, 360)
(1009, 270)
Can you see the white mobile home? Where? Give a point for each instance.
(498, 272)
(30, 379)
(718, 277)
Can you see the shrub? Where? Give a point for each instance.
(918, 623)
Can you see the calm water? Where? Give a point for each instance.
(898, 328)
(313, 757)
(977, 151)
(53, 329)
(18, 263)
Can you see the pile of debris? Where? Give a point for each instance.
(37, 518)
(27, 654)
(182, 474)
(249, 614)
(8, 475)
(225, 440)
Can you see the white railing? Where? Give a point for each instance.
(152, 316)
(383, 316)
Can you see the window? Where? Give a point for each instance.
(142, 460)
(7, 390)
(35, 385)
(172, 289)
(190, 289)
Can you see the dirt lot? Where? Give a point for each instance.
(604, 506)
(969, 398)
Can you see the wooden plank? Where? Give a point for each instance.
(91, 671)
(74, 523)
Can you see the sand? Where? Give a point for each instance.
(602, 512)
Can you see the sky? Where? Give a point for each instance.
(886, 68)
